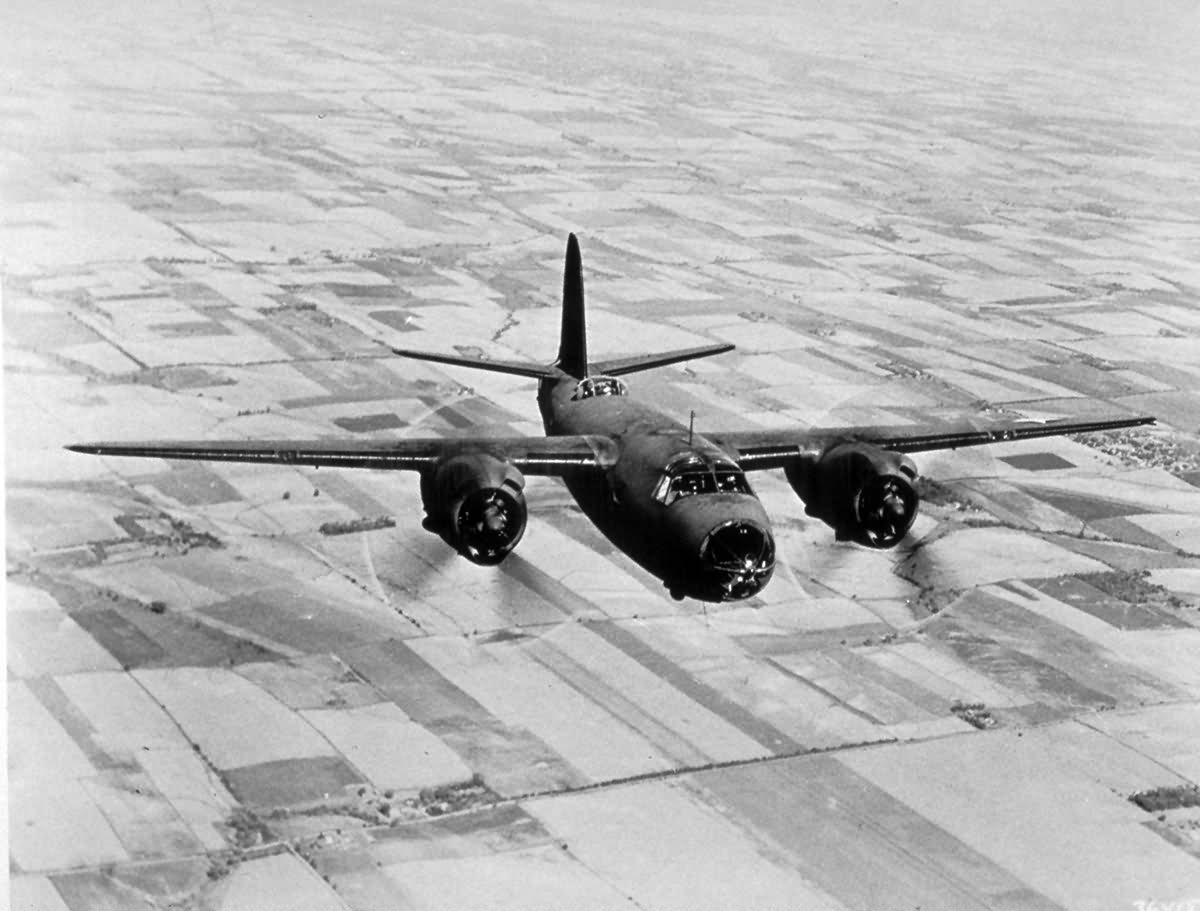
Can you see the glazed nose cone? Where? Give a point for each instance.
(737, 558)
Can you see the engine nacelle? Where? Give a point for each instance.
(864, 493)
(475, 502)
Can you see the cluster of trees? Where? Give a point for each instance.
(1167, 798)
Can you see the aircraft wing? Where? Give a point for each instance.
(761, 449)
(531, 455)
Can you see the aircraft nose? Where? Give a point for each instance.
(738, 558)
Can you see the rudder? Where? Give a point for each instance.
(572, 348)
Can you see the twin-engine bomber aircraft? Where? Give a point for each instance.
(675, 501)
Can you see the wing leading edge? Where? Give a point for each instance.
(553, 456)
(757, 450)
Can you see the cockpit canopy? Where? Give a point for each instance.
(598, 385)
(694, 474)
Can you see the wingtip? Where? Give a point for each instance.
(1138, 420)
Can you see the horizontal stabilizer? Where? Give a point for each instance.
(518, 368)
(620, 366)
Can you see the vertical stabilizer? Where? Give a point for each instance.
(572, 349)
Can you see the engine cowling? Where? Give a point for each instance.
(864, 493)
(475, 501)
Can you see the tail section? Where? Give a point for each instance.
(572, 347)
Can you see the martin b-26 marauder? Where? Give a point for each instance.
(676, 501)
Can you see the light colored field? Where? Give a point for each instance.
(1015, 797)
(1182, 532)
(38, 735)
(144, 821)
(574, 565)
(196, 793)
(715, 739)
(1185, 581)
(388, 748)
(150, 583)
(983, 555)
(281, 882)
(133, 727)
(535, 878)
(940, 674)
(226, 715)
(34, 893)
(523, 693)
(123, 713)
(50, 642)
(1165, 734)
(312, 682)
(811, 718)
(664, 848)
(57, 826)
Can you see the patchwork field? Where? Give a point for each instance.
(268, 688)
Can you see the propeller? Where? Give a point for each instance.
(488, 523)
(886, 505)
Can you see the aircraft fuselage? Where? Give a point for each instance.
(670, 499)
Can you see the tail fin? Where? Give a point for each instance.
(572, 348)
